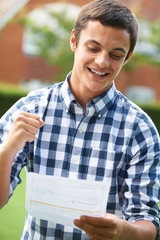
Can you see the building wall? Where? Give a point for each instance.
(11, 56)
(14, 65)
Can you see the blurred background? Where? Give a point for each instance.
(35, 52)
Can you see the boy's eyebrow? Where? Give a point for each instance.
(94, 41)
(120, 49)
(97, 43)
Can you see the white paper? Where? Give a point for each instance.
(61, 200)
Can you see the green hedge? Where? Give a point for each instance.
(10, 94)
(154, 112)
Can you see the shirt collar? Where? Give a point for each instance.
(106, 100)
(66, 94)
(101, 103)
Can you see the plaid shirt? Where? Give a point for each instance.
(115, 141)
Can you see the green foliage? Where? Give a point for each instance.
(53, 45)
(138, 60)
(153, 37)
(153, 111)
(9, 94)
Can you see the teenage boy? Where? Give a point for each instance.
(84, 128)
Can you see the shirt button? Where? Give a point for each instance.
(80, 130)
(99, 115)
(75, 159)
(66, 110)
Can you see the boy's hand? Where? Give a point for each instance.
(24, 130)
(101, 228)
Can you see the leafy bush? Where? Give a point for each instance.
(9, 94)
(154, 112)
(52, 44)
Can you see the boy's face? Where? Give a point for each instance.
(99, 57)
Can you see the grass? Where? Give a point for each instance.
(12, 216)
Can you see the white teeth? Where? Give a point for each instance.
(97, 73)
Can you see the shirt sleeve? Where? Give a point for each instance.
(35, 102)
(143, 174)
(25, 104)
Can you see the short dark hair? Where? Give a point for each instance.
(111, 13)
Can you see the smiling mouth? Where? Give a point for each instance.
(97, 73)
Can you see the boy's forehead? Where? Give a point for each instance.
(93, 26)
(95, 31)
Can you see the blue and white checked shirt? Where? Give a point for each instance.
(115, 141)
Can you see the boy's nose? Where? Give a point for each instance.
(102, 60)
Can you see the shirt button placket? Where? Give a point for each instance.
(80, 130)
(75, 159)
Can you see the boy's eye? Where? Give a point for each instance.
(93, 49)
(115, 56)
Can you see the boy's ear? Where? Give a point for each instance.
(73, 41)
